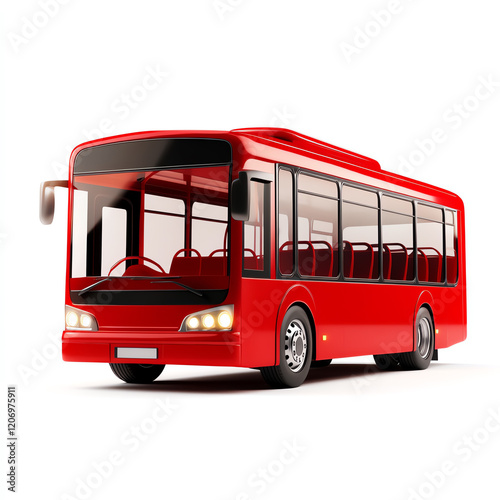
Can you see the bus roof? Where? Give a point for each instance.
(279, 143)
(278, 136)
(362, 168)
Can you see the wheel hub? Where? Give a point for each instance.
(295, 345)
(424, 337)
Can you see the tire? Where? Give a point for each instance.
(136, 373)
(386, 362)
(295, 351)
(421, 357)
(320, 363)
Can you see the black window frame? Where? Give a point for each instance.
(455, 245)
(290, 169)
(295, 171)
(310, 173)
(341, 225)
(443, 239)
(413, 216)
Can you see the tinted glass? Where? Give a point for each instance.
(152, 154)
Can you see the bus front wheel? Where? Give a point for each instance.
(420, 358)
(136, 373)
(295, 351)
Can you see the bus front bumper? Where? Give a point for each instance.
(194, 348)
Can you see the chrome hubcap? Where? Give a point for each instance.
(424, 337)
(295, 345)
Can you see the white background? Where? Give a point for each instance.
(358, 433)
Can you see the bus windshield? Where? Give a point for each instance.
(161, 230)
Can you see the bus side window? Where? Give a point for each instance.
(397, 239)
(253, 233)
(430, 244)
(317, 220)
(451, 248)
(360, 233)
(285, 222)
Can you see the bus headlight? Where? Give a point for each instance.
(193, 323)
(79, 320)
(85, 320)
(224, 320)
(216, 319)
(208, 321)
(72, 319)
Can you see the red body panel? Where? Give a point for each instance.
(348, 318)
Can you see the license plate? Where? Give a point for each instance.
(137, 352)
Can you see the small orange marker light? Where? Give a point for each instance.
(324, 337)
(437, 331)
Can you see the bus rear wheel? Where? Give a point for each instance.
(421, 357)
(295, 351)
(136, 373)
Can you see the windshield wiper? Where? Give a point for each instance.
(188, 288)
(90, 287)
(107, 278)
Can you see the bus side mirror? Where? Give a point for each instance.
(47, 200)
(240, 199)
(240, 192)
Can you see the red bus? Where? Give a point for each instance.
(259, 248)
